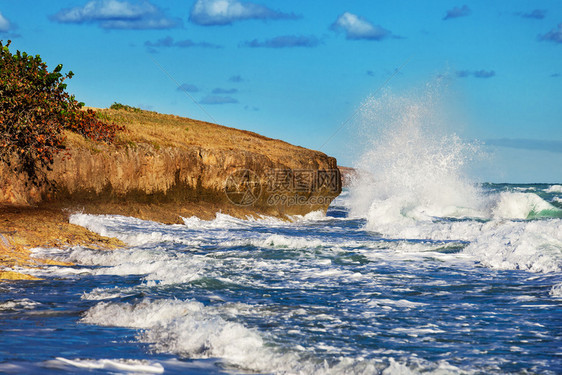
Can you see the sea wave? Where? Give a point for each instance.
(413, 184)
(191, 330)
(529, 245)
(554, 189)
(523, 206)
(533, 245)
(136, 366)
(19, 304)
(556, 291)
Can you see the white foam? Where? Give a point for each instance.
(19, 304)
(534, 246)
(224, 221)
(503, 244)
(416, 332)
(276, 240)
(402, 303)
(111, 366)
(556, 291)
(98, 294)
(554, 189)
(221, 221)
(195, 232)
(498, 243)
(311, 216)
(413, 175)
(132, 231)
(385, 216)
(157, 265)
(195, 331)
(186, 328)
(145, 314)
(521, 206)
(120, 365)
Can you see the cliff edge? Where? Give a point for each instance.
(163, 167)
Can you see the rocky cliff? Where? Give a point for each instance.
(163, 167)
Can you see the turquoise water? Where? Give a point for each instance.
(474, 288)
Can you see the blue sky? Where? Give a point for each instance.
(298, 70)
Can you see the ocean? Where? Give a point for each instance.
(414, 269)
(324, 294)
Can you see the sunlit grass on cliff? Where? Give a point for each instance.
(163, 131)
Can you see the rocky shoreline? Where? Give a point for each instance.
(24, 228)
(161, 168)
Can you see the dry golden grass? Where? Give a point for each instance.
(162, 130)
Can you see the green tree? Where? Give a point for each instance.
(35, 109)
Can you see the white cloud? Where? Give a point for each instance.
(104, 10)
(224, 12)
(4, 24)
(117, 14)
(356, 27)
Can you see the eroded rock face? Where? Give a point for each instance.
(163, 183)
(162, 167)
(15, 190)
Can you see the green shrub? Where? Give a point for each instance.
(124, 107)
(34, 111)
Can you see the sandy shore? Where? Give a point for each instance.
(22, 229)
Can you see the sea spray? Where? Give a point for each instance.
(412, 169)
(415, 168)
(413, 183)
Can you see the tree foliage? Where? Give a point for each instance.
(124, 107)
(35, 109)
